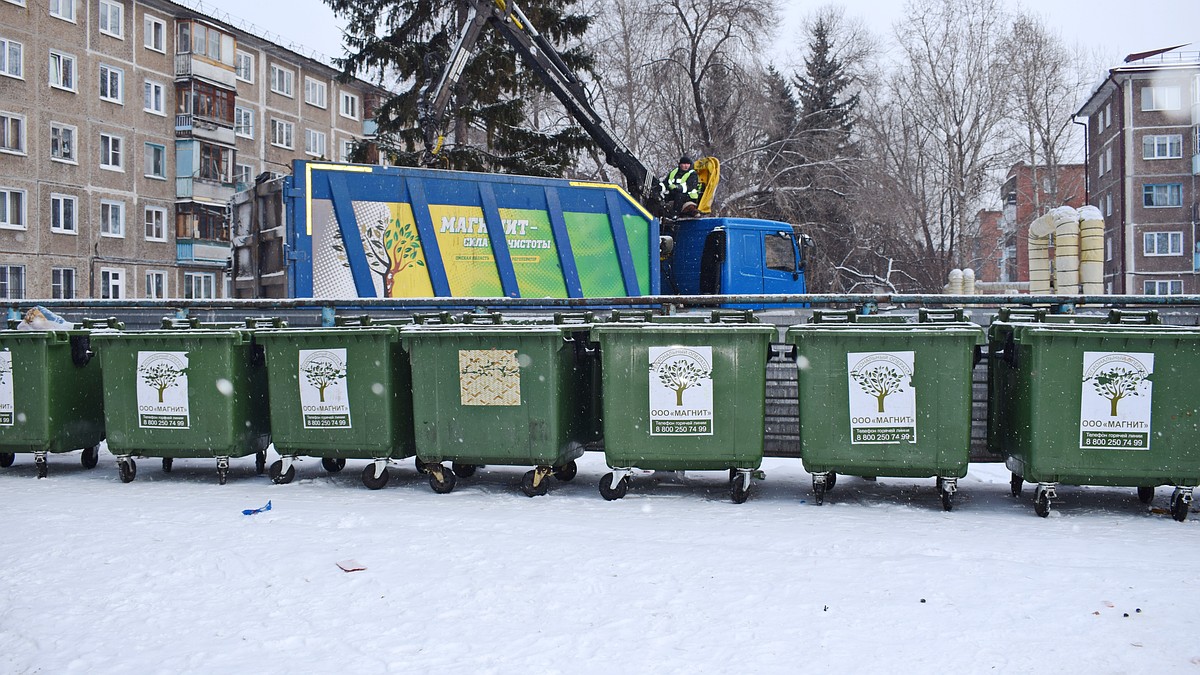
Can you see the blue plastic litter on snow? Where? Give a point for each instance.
(250, 512)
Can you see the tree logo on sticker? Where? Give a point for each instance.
(321, 370)
(161, 372)
(1116, 377)
(882, 380)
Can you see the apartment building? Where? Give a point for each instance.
(1143, 161)
(126, 126)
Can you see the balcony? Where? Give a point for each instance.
(370, 128)
(203, 251)
(204, 190)
(188, 66)
(203, 128)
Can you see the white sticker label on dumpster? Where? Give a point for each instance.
(324, 395)
(883, 400)
(7, 402)
(1114, 410)
(681, 391)
(162, 390)
(489, 377)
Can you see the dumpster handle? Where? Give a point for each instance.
(1022, 314)
(493, 318)
(733, 316)
(265, 321)
(363, 320)
(832, 316)
(574, 317)
(631, 315)
(109, 322)
(1124, 316)
(946, 315)
(423, 318)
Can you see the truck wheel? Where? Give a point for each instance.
(567, 471)
(276, 474)
(371, 481)
(333, 464)
(90, 457)
(463, 470)
(1145, 494)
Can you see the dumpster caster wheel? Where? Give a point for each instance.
(260, 462)
(821, 484)
(167, 464)
(947, 500)
(421, 466)
(278, 475)
(611, 492)
(1015, 484)
(40, 460)
(567, 471)
(1181, 502)
(463, 470)
(441, 479)
(373, 481)
(90, 457)
(333, 464)
(830, 480)
(222, 470)
(1145, 494)
(739, 488)
(528, 487)
(7, 459)
(1041, 504)
(127, 469)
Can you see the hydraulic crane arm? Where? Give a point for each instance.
(541, 57)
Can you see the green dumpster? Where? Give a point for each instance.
(50, 396)
(683, 396)
(886, 398)
(1097, 404)
(188, 393)
(338, 393)
(501, 394)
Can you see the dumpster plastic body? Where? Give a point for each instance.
(682, 396)
(886, 399)
(184, 393)
(50, 394)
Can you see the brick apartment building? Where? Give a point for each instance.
(126, 126)
(1143, 161)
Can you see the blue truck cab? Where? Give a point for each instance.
(733, 256)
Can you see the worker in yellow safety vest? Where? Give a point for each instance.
(681, 189)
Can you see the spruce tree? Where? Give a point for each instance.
(409, 42)
(823, 104)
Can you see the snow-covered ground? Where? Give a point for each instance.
(165, 575)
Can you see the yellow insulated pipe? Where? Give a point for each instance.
(1091, 250)
(1039, 254)
(1066, 250)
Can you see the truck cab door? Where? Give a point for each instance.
(782, 269)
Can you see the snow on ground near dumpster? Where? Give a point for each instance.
(165, 575)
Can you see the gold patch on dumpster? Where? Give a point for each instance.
(489, 377)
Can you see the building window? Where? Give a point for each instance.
(1107, 164)
(1161, 195)
(110, 84)
(112, 283)
(153, 98)
(349, 105)
(244, 67)
(156, 285)
(205, 101)
(12, 133)
(196, 221)
(1108, 204)
(243, 122)
(63, 9)
(12, 281)
(243, 175)
(199, 285)
(1167, 146)
(314, 143)
(282, 81)
(12, 208)
(216, 163)
(205, 41)
(62, 283)
(1107, 249)
(1163, 287)
(11, 58)
(112, 218)
(1162, 243)
(315, 92)
(1107, 115)
(62, 143)
(63, 209)
(347, 150)
(112, 19)
(156, 223)
(156, 161)
(62, 71)
(154, 32)
(1160, 98)
(282, 133)
(110, 153)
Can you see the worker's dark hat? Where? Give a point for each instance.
(685, 160)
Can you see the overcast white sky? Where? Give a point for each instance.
(1118, 27)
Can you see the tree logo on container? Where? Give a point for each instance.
(1114, 407)
(7, 401)
(883, 400)
(681, 391)
(162, 390)
(324, 391)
